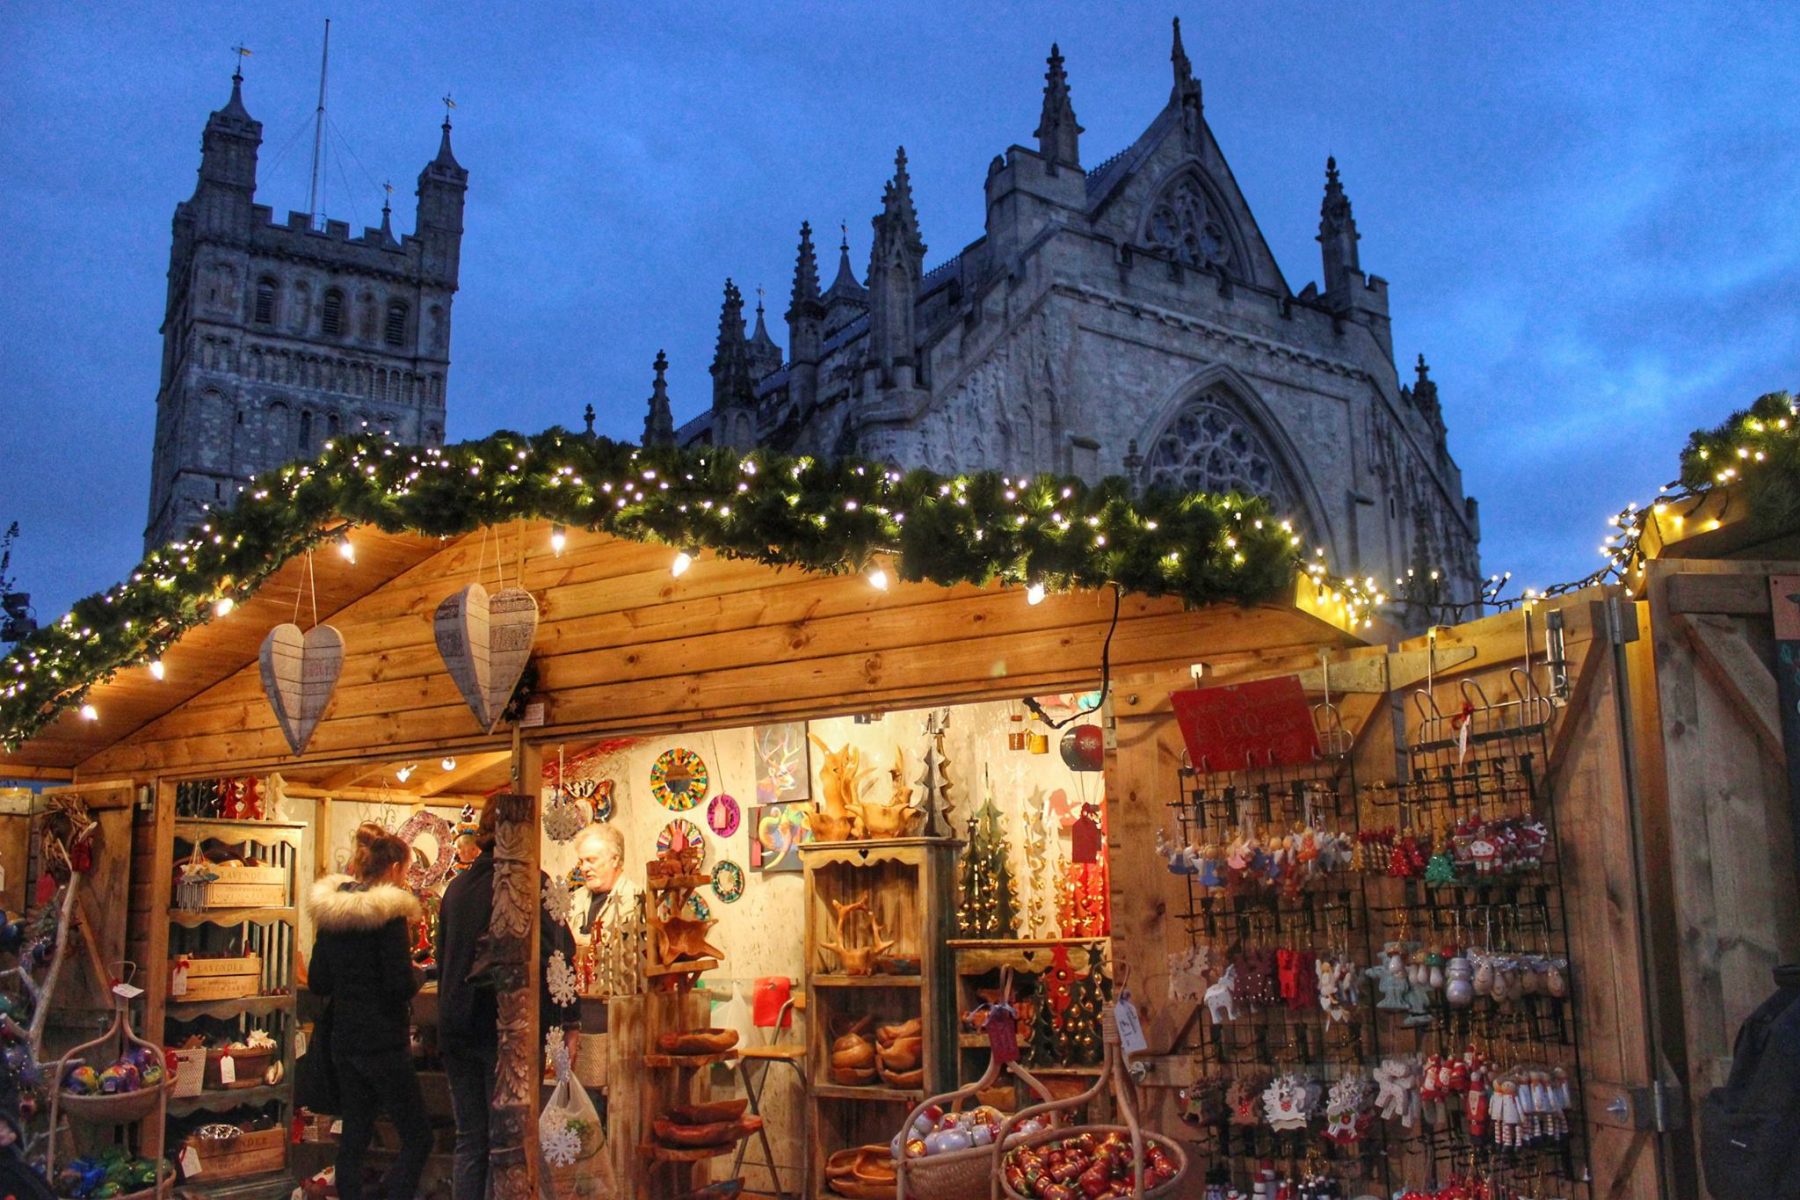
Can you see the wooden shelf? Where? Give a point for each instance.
(868, 981)
(836, 1091)
(200, 824)
(692, 966)
(667, 1061)
(685, 1154)
(220, 1099)
(188, 1010)
(234, 916)
(1020, 943)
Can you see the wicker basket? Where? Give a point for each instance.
(960, 1174)
(117, 1108)
(246, 1065)
(1171, 1148)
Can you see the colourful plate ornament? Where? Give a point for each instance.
(683, 831)
(722, 815)
(728, 881)
(678, 779)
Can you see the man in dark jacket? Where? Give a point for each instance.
(468, 1013)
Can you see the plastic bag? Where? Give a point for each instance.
(569, 1127)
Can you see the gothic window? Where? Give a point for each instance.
(369, 312)
(331, 425)
(331, 321)
(396, 323)
(306, 426)
(1209, 447)
(265, 301)
(1184, 224)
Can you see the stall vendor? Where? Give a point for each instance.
(606, 899)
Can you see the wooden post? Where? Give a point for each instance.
(513, 930)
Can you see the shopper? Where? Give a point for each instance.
(468, 1014)
(362, 965)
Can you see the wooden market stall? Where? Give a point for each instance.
(1623, 736)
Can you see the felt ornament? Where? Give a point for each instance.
(299, 673)
(485, 641)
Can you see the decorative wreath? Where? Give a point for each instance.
(421, 873)
(678, 779)
(728, 881)
(722, 815)
(685, 829)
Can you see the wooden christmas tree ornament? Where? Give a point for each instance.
(485, 641)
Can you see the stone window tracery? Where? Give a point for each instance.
(1183, 223)
(1209, 447)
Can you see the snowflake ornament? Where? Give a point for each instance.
(562, 1145)
(560, 979)
(556, 904)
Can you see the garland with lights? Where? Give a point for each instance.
(827, 516)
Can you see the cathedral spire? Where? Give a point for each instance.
(897, 228)
(659, 423)
(764, 354)
(896, 267)
(1186, 88)
(1058, 133)
(1337, 235)
(731, 325)
(806, 271)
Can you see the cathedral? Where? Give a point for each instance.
(1121, 319)
(277, 336)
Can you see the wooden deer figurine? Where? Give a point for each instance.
(840, 782)
(857, 960)
(896, 818)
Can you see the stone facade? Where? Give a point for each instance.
(278, 336)
(1124, 319)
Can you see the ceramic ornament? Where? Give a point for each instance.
(299, 673)
(485, 641)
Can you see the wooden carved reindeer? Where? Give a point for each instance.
(857, 960)
(896, 818)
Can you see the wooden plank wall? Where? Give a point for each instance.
(1705, 697)
(623, 646)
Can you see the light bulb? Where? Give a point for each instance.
(89, 713)
(449, 762)
(156, 668)
(878, 579)
(404, 773)
(559, 538)
(223, 606)
(682, 562)
(1034, 594)
(345, 550)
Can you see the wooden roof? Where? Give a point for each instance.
(624, 647)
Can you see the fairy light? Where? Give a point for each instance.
(156, 669)
(223, 605)
(682, 562)
(345, 549)
(559, 538)
(1034, 594)
(878, 579)
(89, 713)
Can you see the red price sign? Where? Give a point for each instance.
(1260, 724)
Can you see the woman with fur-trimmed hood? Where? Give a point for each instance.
(362, 965)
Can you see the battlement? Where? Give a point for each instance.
(262, 217)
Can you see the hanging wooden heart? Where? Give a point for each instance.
(299, 673)
(485, 641)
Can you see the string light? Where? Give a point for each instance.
(89, 713)
(878, 579)
(448, 762)
(559, 538)
(223, 605)
(156, 668)
(345, 550)
(682, 562)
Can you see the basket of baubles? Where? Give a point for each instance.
(948, 1149)
(1089, 1162)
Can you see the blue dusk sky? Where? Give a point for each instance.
(1588, 214)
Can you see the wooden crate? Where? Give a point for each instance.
(255, 1153)
(239, 886)
(220, 978)
(247, 1066)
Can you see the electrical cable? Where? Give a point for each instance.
(1037, 709)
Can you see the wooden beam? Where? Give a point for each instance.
(1382, 672)
(349, 776)
(1735, 595)
(1741, 677)
(467, 765)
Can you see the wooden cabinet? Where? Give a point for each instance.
(908, 885)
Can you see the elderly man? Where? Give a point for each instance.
(607, 912)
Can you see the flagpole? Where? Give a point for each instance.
(312, 203)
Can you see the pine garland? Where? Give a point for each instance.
(1756, 449)
(827, 516)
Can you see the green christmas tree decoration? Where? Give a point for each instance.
(988, 907)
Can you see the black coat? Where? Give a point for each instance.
(362, 960)
(468, 1017)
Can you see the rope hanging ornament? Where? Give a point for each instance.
(300, 669)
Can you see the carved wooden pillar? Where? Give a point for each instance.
(513, 930)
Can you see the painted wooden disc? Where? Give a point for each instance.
(683, 832)
(678, 779)
(722, 815)
(728, 881)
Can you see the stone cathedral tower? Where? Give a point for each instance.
(1120, 318)
(276, 337)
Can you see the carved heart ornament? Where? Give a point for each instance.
(299, 673)
(485, 641)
